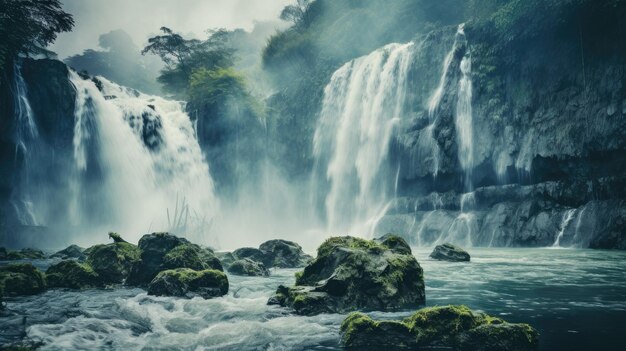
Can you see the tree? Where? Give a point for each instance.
(184, 56)
(28, 26)
(297, 13)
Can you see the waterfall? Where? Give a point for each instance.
(362, 104)
(463, 117)
(567, 218)
(135, 166)
(26, 135)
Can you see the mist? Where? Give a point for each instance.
(143, 18)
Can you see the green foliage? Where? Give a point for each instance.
(28, 26)
(183, 57)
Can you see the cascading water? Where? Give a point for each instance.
(463, 116)
(363, 102)
(136, 167)
(567, 218)
(26, 136)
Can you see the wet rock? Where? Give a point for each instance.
(73, 275)
(351, 273)
(162, 251)
(113, 262)
(21, 279)
(284, 254)
(190, 256)
(449, 252)
(72, 251)
(395, 243)
(23, 254)
(226, 258)
(248, 267)
(251, 253)
(116, 238)
(447, 327)
(185, 282)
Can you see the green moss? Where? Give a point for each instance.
(455, 327)
(21, 279)
(23, 254)
(116, 238)
(73, 275)
(196, 280)
(347, 241)
(298, 276)
(183, 256)
(112, 262)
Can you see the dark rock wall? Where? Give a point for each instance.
(549, 136)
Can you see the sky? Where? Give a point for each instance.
(143, 18)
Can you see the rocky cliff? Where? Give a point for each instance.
(548, 139)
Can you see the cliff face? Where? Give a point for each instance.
(51, 99)
(548, 141)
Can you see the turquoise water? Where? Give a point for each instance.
(575, 298)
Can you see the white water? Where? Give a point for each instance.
(363, 102)
(567, 218)
(26, 135)
(134, 157)
(463, 117)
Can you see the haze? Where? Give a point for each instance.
(142, 18)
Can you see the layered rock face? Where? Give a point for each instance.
(351, 273)
(538, 157)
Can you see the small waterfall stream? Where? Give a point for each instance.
(567, 218)
(26, 135)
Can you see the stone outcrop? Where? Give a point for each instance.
(449, 252)
(185, 282)
(448, 327)
(355, 274)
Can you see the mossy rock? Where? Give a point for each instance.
(284, 254)
(251, 253)
(163, 251)
(72, 251)
(450, 252)
(23, 254)
(395, 243)
(355, 274)
(21, 279)
(446, 327)
(73, 275)
(185, 282)
(248, 267)
(113, 262)
(226, 258)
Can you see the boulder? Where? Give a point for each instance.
(73, 275)
(284, 254)
(113, 262)
(449, 252)
(248, 267)
(226, 258)
(251, 253)
(21, 279)
(445, 327)
(355, 274)
(163, 251)
(185, 282)
(72, 251)
(23, 254)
